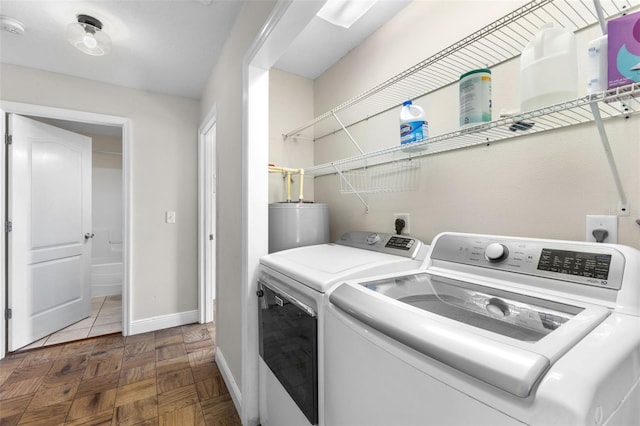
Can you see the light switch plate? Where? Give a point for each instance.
(608, 222)
(170, 217)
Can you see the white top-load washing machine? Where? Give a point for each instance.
(490, 331)
(291, 288)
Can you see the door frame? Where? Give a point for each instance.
(207, 213)
(286, 21)
(124, 123)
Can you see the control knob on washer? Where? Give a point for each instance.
(496, 252)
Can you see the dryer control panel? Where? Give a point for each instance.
(583, 263)
(399, 245)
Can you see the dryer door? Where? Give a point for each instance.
(288, 345)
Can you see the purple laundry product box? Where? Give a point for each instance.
(623, 46)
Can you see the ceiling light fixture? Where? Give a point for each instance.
(11, 25)
(87, 36)
(344, 13)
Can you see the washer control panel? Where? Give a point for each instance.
(399, 245)
(583, 263)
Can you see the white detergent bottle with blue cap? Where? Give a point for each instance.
(413, 126)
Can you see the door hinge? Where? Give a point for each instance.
(8, 226)
(8, 139)
(7, 314)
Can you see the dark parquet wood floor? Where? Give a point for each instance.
(167, 377)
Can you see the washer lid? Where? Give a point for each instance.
(514, 315)
(508, 340)
(320, 266)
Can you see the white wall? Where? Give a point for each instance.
(537, 186)
(106, 198)
(290, 104)
(225, 91)
(164, 177)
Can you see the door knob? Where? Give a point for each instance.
(88, 235)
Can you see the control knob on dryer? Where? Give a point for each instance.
(373, 238)
(496, 252)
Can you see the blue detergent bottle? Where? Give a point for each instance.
(413, 125)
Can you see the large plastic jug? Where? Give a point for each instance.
(548, 68)
(413, 125)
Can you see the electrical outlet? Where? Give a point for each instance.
(607, 222)
(404, 216)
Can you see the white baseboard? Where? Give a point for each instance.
(164, 321)
(234, 390)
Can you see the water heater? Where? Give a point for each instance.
(297, 224)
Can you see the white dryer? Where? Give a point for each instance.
(292, 284)
(491, 331)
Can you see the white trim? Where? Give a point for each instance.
(202, 285)
(254, 241)
(91, 118)
(287, 19)
(3, 239)
(234, 390)
(61, 113)
(205, 287)
(164, 321)
(127, 222)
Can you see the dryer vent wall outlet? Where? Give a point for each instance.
(609, 223)
(404, 216)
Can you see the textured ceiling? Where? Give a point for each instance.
(161, 46)
(167, 46)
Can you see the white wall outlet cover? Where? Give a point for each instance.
(608, 222)
(170, 217)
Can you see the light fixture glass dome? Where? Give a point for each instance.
(87, 36)
(11, 25)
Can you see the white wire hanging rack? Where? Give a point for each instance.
(499, 41)
(365, 173)
(622, 102)
(396, 176)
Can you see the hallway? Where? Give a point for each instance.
(167, 377)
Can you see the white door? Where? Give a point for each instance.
(49, 246)
(210, 200)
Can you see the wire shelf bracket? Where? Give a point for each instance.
(623, 207)
(346, 181)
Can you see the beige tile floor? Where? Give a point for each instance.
(106, 318)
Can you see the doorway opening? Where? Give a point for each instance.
(111, 173)
(106, 242)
